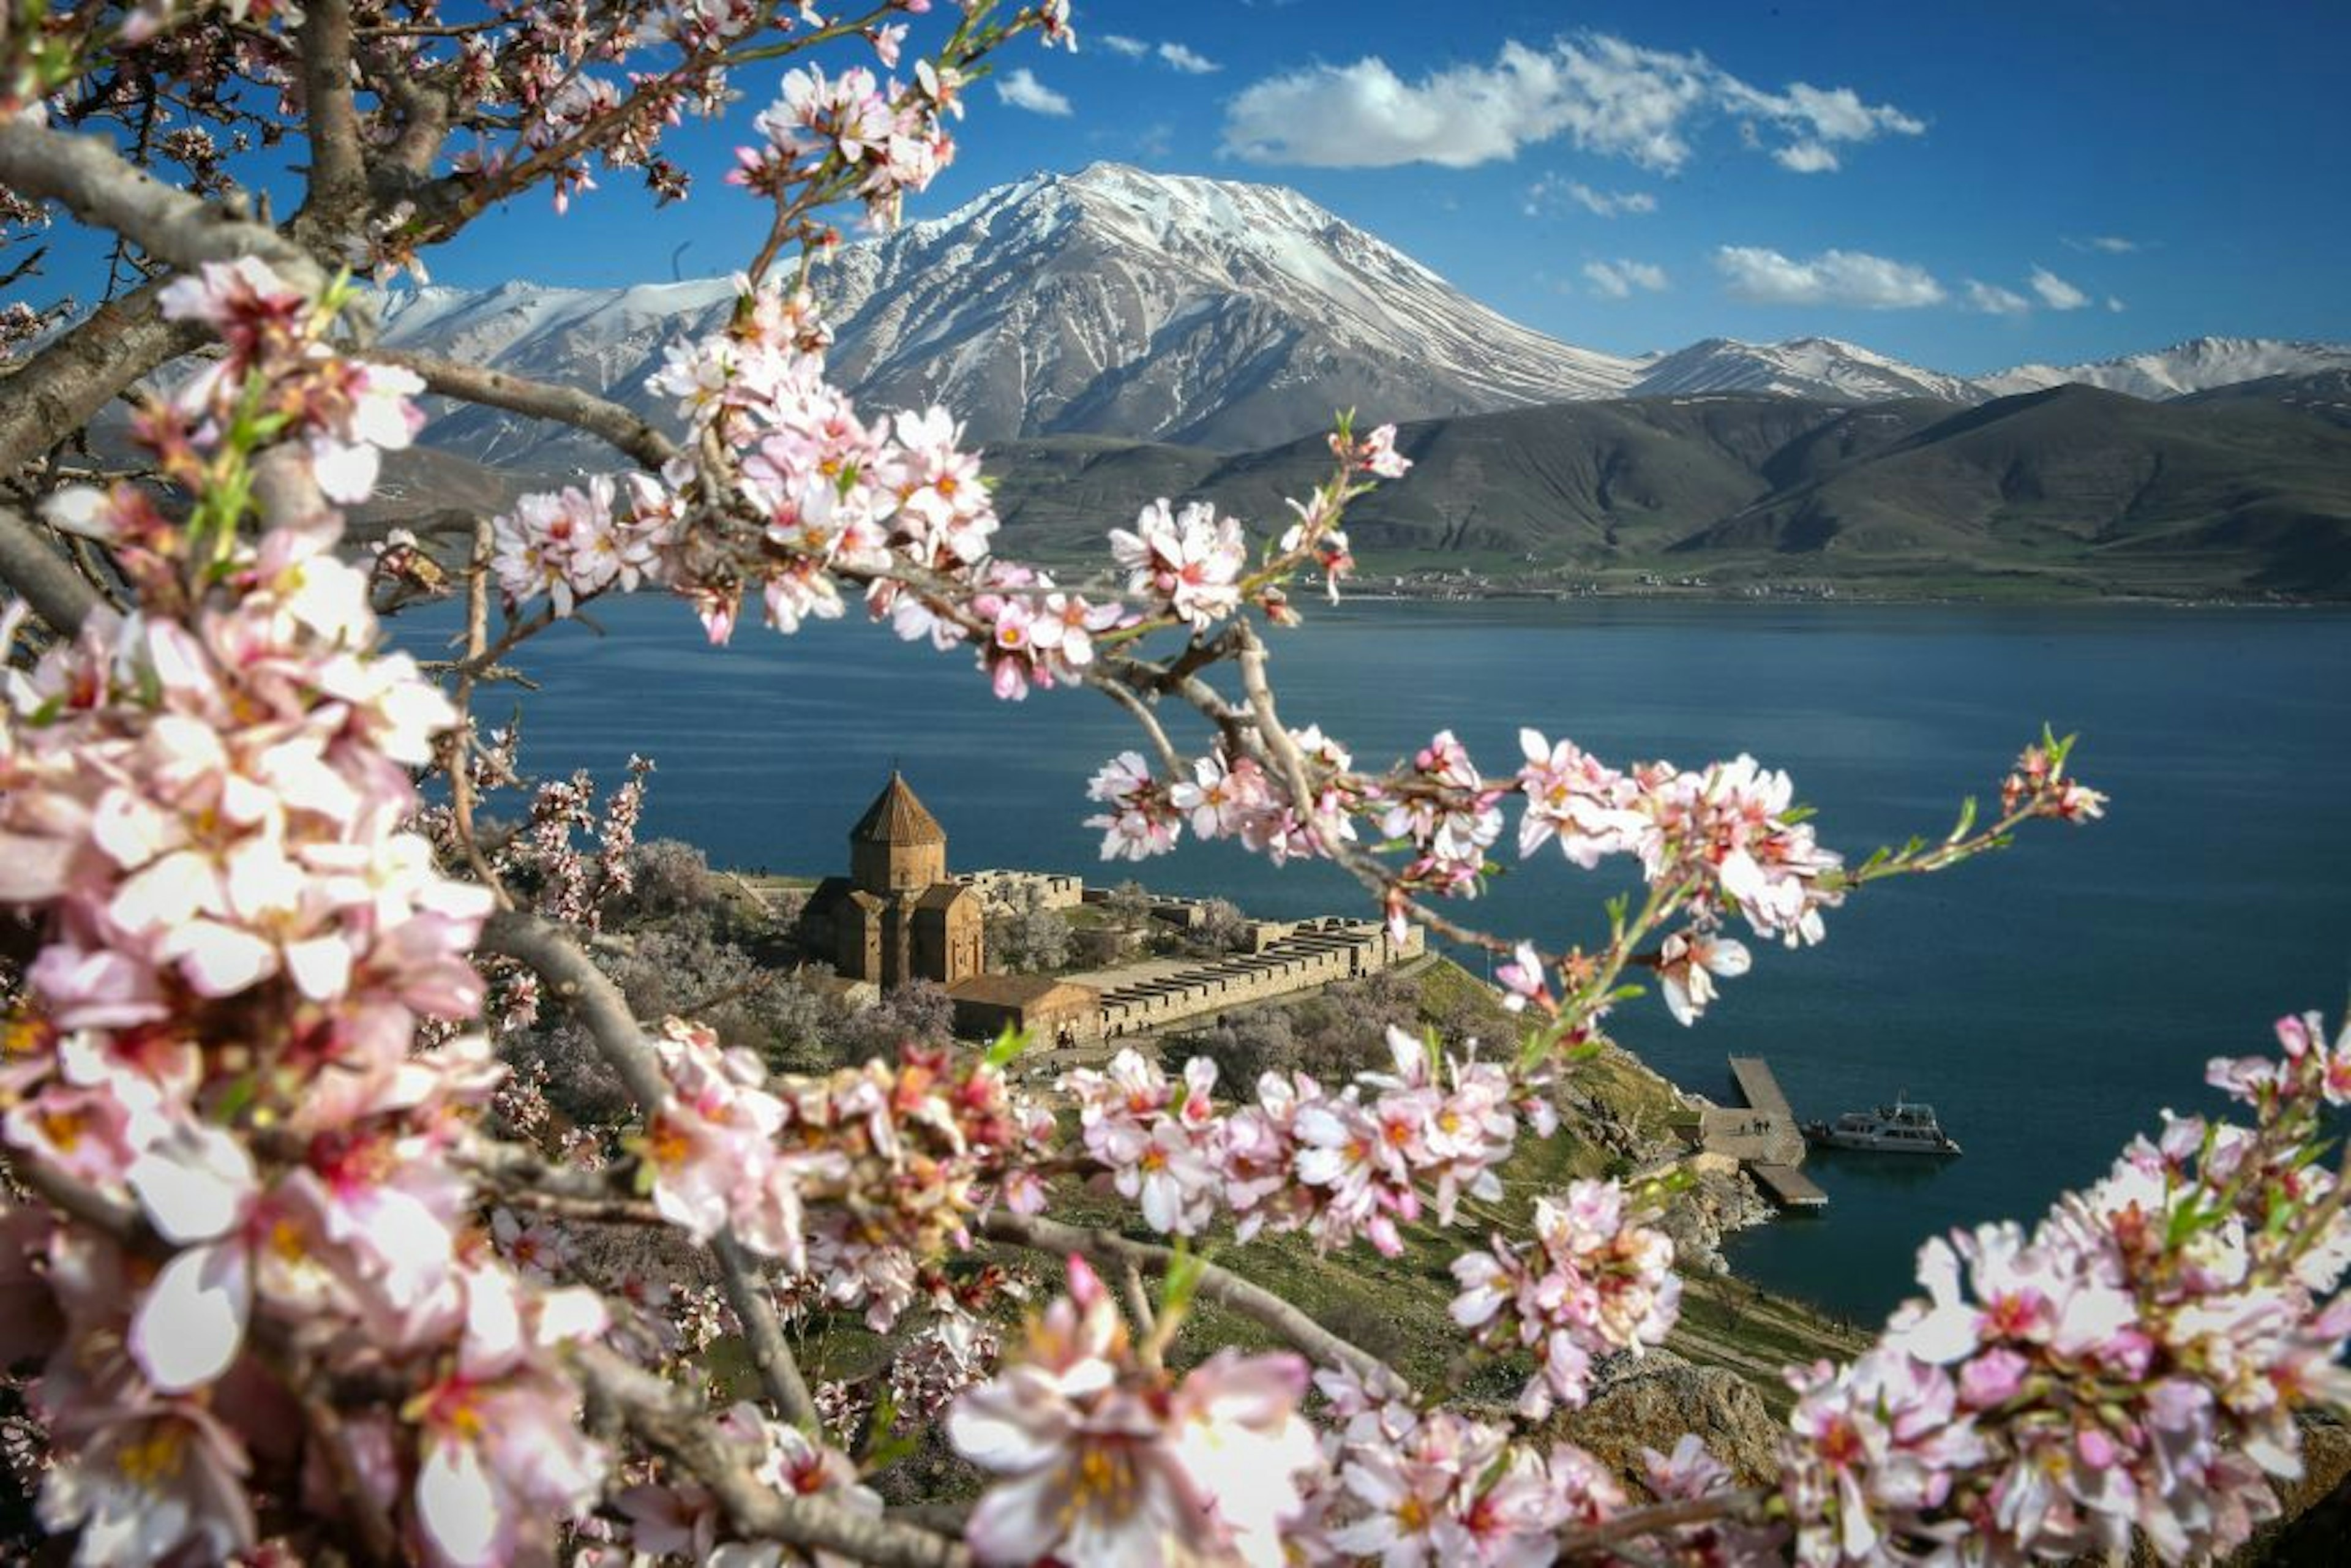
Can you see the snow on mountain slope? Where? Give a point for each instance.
(1178, 308)
(604, 340)
(1108, 302)
(2197, 365)
(1821, 368)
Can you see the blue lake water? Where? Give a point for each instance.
(2049, 1001)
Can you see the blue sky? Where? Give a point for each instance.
(1963, 185)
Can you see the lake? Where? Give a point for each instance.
(2049, 1001)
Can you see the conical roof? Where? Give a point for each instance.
(897, 818)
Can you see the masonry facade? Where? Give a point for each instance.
(896, 916)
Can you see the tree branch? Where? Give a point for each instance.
(1216, 1284)
(673, 1423)
(519, 394)
(763, 1333)
(605, 1013)
(101, 187)
(338, 173)
(43, 577)
(59, 389)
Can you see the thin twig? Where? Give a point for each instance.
(1216, 1284)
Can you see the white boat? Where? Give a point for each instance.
(1904, 1127)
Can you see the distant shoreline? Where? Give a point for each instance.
(1839, 594)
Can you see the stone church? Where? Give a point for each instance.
(895, 917)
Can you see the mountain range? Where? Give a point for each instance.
(1114, 335)
(1201, 312)
(2070, 492)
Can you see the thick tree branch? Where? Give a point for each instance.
(61, 388)
(43, 578)
(98, 186)
(338, 173)
(678, 1426)
(519, 394)
(763, 1333)
(1216, 1284)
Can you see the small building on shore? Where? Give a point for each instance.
(1055, 1012)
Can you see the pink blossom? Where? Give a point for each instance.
(502, 1458)
(1104, 1462)
(1597, 1281)
(1144, 820)
(1190, 561)
(1688, 962)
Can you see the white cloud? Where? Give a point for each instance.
(2055, 292)
(1993, 301)
(1807, 158)
(1190, 62)
(2115, 305)
(1181, 57)
(1549, 192)
(1617, 279)
(1602, 93)
(1021, 89)
(1833, 277)
(2110, 245)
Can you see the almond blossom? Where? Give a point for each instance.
(1597, 1281)
(1688, 963)
(1108, 1461)
(1145, 820)
(1189, 561)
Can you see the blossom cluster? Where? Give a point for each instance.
(1718, 842)
(279, 368)
(1594, 1283)
(682, 1520)
(1228, 796)
(2132, 1364)
(857, 1181)
(710, 1150)
(1190, 560)
(891, 140)
(832, 495)
(206, 805)
(572, 883)
(571, 543)
(1300, 1157)
(1106, 1459)
(1408, 1485)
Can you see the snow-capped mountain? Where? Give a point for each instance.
(604, 340)
(1176, 308)
(2197, 365)
(1821, 368)
(1108, 302)
(1186, 309)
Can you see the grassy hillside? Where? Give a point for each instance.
(2069, 492)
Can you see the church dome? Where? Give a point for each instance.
(897, 817)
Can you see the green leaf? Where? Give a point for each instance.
(1008, 1044)
(1183, 1282)
(1967, 821)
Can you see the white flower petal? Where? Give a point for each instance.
(221, 960)
(193, 1183)
(191, 1320)
(458, 1506)
(320, 967)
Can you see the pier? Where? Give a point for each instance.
(1762, 1135)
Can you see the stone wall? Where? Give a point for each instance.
(1315, 952)
(1056, 889)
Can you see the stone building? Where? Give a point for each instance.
(895, 917)
(1055, 1012)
